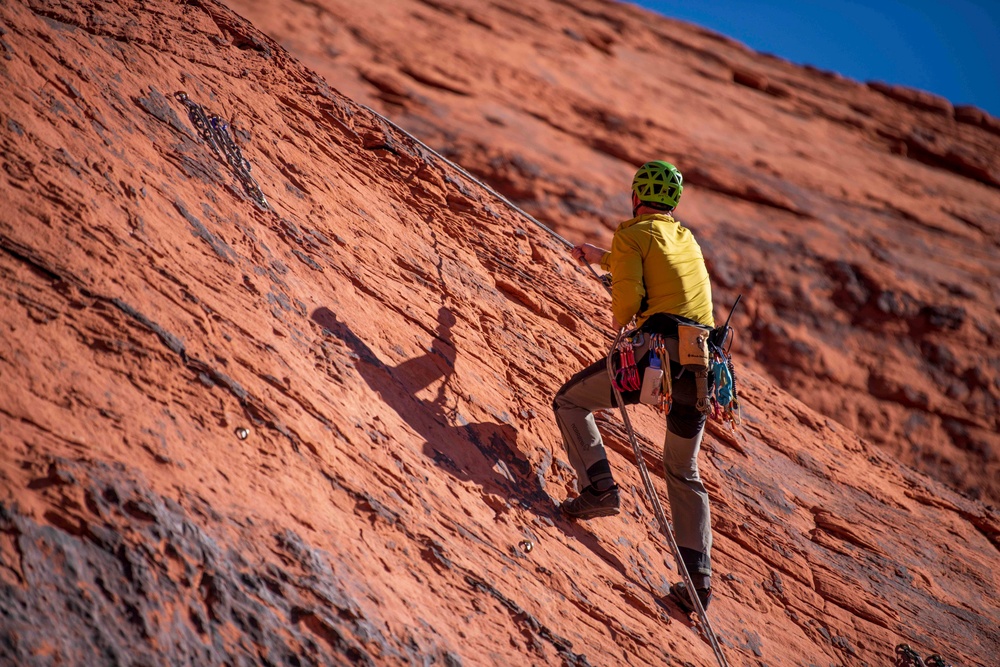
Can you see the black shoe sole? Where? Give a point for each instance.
(592, 514)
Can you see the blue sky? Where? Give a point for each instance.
(948, 48)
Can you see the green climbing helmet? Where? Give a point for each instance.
(658, 182)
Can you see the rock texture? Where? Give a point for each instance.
(860, 222)
(312, 428)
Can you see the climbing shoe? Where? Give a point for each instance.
(591, 504)
(679, 594)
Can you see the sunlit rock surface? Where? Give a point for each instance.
(309, 424)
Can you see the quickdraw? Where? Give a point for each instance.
(723, 397)
(215, 132)
(725, 403)
(627, 376)
(658, 346)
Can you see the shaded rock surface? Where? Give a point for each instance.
(859, 221)
(314, 429)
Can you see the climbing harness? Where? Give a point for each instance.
(705, 353)
(661, 518)
(215, 132)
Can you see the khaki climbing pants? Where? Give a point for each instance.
(590, 390)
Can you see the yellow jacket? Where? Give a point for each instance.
(656, 266)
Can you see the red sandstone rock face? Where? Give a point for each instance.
(317, 431)
(860, 222)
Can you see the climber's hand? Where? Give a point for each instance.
(588, 253)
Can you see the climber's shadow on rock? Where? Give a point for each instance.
(492, 460)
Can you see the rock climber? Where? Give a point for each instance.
(659, 277)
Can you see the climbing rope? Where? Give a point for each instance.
(215, 132)
(661, 518)
(605, 280)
